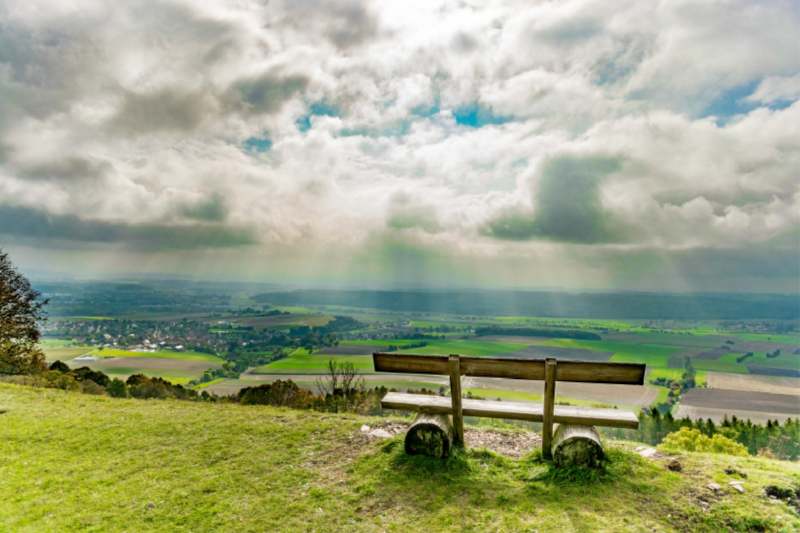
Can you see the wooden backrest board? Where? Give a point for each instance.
(512, 368)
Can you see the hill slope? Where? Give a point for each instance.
(71, 462)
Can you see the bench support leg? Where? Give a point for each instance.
(575, 444)
(549, 400)
(455, 394)
(430, 435)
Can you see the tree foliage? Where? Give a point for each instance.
(21, 313)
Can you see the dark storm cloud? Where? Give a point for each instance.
(42, 227)
(569, 208)
(267, 93)
(214, 210)
(165, 110)
(346, 24)
(69, 168)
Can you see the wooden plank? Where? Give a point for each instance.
(411, 364)
(533, 412)
(550, 367)
(455, 395)
(513, 368)
(577, 444)
(597, 372)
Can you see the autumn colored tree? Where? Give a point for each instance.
(21, 313)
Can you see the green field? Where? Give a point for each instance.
(616, 347)
(163, 354)
(207, 383)
(300, 362)
(73, 462)
(787, 339)
(473, 348)
(675, 374)
(719, 366)
(61, 353)
(178, 377)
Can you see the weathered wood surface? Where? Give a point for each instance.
(534, 412)
(512, 368)
(430, 435)
(577, 445)
(455, 397)
(550, 367)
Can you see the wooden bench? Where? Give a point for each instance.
(575, 422)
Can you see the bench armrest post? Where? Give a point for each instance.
(549, 400)
(455, 394)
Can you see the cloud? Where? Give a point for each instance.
(42, 227)
(569, 206)
(517, 138)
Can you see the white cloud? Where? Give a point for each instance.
(137, 115)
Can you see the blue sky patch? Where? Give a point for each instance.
(477, 115)
(258, 145)
(319, 109)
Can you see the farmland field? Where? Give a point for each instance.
(163, 354)
(472, 348)
(351, 349)
(675, 374)
(773, 371)
(313, 364)
(566, 354)
(636, 395)
(770, 384)
(63, 354)
(176, 376)
(669, 339)
(734, 400)
(512, 339)
(261, 322)
(154, 363)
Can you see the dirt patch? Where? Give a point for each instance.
(351, 349)
(510, 444)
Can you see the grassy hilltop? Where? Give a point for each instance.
(72, 462)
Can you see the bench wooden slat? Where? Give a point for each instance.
(512, 368)
(533, 412)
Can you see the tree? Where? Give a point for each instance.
(21, 313)
(340, 384)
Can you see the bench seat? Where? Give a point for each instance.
(533, 412)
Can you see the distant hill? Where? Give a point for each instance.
(554, 304)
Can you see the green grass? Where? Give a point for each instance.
(163, 354)
(207, 383)
(72, 462)
(675, 374)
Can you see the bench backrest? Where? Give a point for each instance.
(547, 370)
(512, 368)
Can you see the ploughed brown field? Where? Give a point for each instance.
(354, 349)
(744, 382)
(733, 400)
(154, 363)
(770, 371)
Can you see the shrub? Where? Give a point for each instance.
(691, 440)
(90, 387)
(117, 388)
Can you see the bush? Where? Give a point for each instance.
(117, 388)
(691, 440)
(90, 387)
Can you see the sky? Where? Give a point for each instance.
(626, 145)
